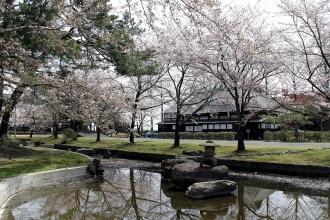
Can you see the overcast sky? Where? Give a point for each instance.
(267, 5)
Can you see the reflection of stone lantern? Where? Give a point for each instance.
(209, 158)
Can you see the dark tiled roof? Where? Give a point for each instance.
(214, 121)
(258, 102)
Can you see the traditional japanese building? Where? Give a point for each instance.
(216, 117)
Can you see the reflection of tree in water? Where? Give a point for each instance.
(123, 193)
(299, 206)
(258, 203)
(133, 194)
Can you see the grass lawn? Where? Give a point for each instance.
(38, 159)
(14, 161)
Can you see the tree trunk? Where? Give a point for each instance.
(138, 128)
(2, 87)
(12, 102)
(131, 137)
(296, 130)
(75, 128)
(240, 138)
(177, 131)
(55, 131)
(4, 124)
(131, 134)
(31, 133)
(98, 134)
(55, 127)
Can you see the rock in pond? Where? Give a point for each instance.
(218, 206)
(168, 164)
(209, 189)
(185, 174)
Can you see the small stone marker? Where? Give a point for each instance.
(209, 158)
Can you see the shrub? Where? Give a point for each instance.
(123, 135)
(199, 135)
(317, 136)
(166, 135)
(327, 136)
(269, 136)
(9, 141)
(284, 135)
(68, 133)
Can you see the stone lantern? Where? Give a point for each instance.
(209, 158)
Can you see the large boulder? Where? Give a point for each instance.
(168, 164)
(185, 174)
(217, 206)
(209, 189)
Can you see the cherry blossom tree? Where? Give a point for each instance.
(305, 34)
(231, 43)
(184, 85)
(293, 93)
(31, 112)
(238, 49)
(94, 97)
(138, 89)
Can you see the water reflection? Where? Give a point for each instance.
(134, 194)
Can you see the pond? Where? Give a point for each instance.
(138, 194)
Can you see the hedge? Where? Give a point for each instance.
(199, 135)
(303, 136)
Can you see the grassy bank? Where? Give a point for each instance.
(28, 160)
(38, 159)
(284, 154)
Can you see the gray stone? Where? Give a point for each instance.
(218, 205)
(193, 152)
(91, 168)
(106, 154)
(38, 143)
(87, 151)
(185, 174)
(209, 189)
(168, 164)
(95, 168)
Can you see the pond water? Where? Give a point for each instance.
(137, 194)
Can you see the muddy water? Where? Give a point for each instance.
(136, 194)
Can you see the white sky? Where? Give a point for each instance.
(267, 5)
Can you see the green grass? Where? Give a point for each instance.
(82, 141)
(39, 159)
(316, 156)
